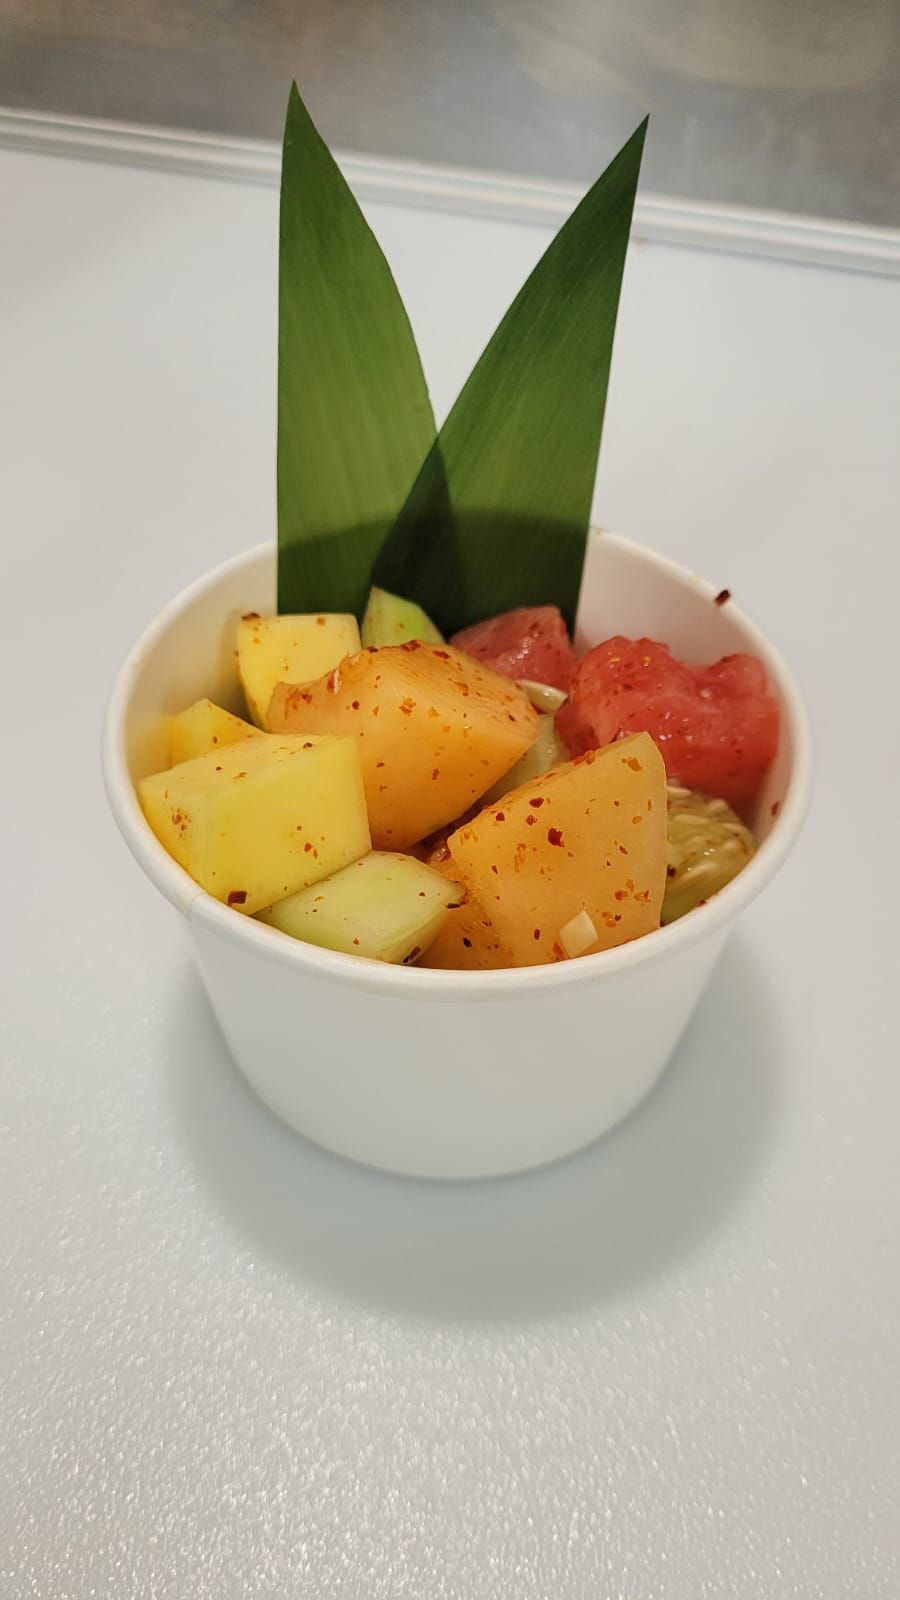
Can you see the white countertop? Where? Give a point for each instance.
(235, 1367)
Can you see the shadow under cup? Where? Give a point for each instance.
(582, 1232)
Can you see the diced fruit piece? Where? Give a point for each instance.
(386, 906)
(435, 730)
(467, 942)
(390, 620)
(532, 642)
(588, 836)
(202, 727)
(467, 939)
(289, 649)
(708, 846)
(542, 695)
(546, 752)
(717, 726)
(262, 818)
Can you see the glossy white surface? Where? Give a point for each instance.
(235, 1367)
(438, 1074)
(794, 110)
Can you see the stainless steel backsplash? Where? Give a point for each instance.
(786, 104)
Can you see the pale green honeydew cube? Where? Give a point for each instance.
(546, 752)
(386, 906)
(390, 620)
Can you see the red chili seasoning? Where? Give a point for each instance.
(237, 897)
(554, 836)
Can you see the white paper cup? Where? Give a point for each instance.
(433, 1073)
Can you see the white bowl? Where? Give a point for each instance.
(433, 1073)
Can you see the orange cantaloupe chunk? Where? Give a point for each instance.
(467, 939)
(435, 731)
(588, 836)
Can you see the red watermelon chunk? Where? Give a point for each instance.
(716, 726)
(532, 643)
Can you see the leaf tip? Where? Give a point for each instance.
(636, 141)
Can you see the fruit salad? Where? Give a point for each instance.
(481, 802)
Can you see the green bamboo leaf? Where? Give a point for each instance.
(354, 418)
(498, 515)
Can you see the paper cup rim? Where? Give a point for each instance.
(427, 982)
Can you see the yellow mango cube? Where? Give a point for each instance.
(573, 861)
(434, 727)
(289, 649)
(262, 818)
(202, 727)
